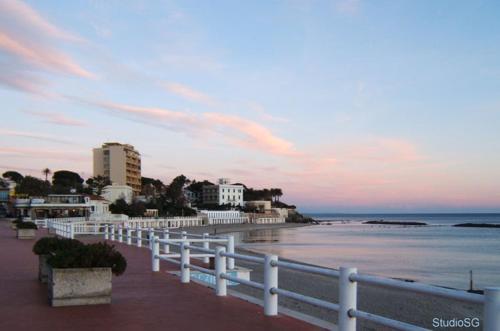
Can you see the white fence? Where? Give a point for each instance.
(169, 222)
(348, 281)
(80, 226)
(224, 257)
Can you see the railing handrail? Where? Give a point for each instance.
(348, 277)
(418, 287)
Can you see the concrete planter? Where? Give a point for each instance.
(43, 268)
(79, 286)
(26, 233)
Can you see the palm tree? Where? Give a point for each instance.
(46, 172)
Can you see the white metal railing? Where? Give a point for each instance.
(347, 310)
(62, 229)
(72, 226)
(225, 257)
(137, 236)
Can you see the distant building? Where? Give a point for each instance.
(259, 205)
(115, 192)
(265, 207)
(61, 205)
(193, 198)
(121, 163)
(223, 193)
(151, 213)
(4, 198)
(99, 206)
(223, 217)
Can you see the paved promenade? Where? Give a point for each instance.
(141, 300)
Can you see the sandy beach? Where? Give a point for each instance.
(405, 306)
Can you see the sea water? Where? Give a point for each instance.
(438, 254)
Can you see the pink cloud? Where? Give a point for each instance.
(259, 109)
(251, 134)
(28, 42)
(22, 81)
(189, 93)
(32, 135)
(19, 11)
(56, 118)
(383, 150)
(50, 154)
(237, 130)
(41, 56)
(175, 120)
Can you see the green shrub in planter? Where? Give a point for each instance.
(27, 225)
(50, 245)
(100, 255)
(15, 223)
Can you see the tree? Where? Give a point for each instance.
(175, 191)
(13, 175)
(135, 209)
(151, 187)
(65, 181)
(46, 172)
(96, 184)
(158, 184)
(120, 206)
(33, 186)
(276, 193)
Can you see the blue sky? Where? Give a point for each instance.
(349, 106)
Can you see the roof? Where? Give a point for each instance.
(95, 197)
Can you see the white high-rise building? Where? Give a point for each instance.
(223, 193)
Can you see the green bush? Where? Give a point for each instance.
(17, 221)
(26, 225)
(100, 255)
(50, 245)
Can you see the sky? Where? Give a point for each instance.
(348, 105)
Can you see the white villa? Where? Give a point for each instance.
(223, 193)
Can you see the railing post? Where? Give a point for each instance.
(166, 246)
(206, 245)
(220, 268)
(129, 235)
(347, 299)
(184, 235)
(230, 249)
(270, 281)
(71, 230)
(106, 232)
(139, 237)
(150, 237)
(185, 271)
(120, 234)
(491, 309)
(112, 232)
(155, 252)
